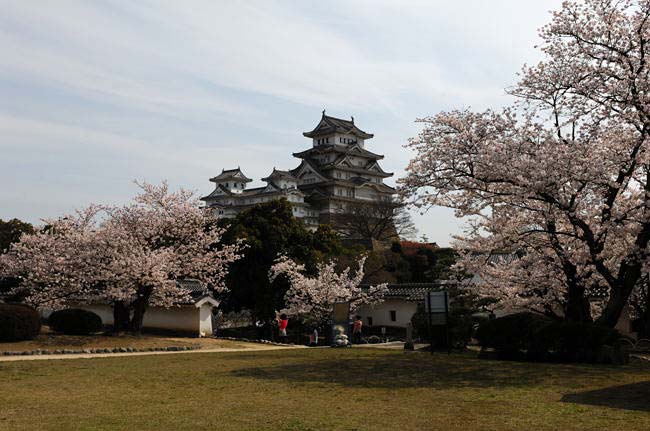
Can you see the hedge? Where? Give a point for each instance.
(18, 323)
(510, 335)
(571, 342)
(75, 321)
(528, 336)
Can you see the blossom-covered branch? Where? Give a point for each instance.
(314, 297)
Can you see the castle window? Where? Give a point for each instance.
(393, 315)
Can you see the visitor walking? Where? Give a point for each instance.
(357, 330)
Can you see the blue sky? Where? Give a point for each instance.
(96, 94)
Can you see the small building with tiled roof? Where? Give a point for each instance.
(399, 305)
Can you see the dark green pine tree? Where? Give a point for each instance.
(268, 230)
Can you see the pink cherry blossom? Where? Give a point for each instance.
(314, 297)
(129, 256)
(561, 177)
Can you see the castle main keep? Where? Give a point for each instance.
(335, 173)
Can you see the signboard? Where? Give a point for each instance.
(436, 306)
(435, 302)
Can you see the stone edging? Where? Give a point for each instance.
(100, 350)
(249, 340)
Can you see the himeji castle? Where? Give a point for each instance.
(336, 171)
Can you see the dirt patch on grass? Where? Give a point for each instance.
(48, 340)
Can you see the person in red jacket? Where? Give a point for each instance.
(357, 329)
(283, 322)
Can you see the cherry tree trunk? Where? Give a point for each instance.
(139, 308)
(121, 320)
(618, 299)
(577, 307)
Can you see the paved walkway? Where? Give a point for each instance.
(259, 348)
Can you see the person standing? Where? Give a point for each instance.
(357, 329)
(283, 323)
(313, 337)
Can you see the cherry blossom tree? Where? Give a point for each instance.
(314, 297)
(130, 256)
(563, 174)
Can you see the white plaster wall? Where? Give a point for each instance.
(205, 320)
(381, 313)
(185, 318)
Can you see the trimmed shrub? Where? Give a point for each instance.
(572, 342)
(510, 335)
(75, 321)
(528, 336)
(18, 322)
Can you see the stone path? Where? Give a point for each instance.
(113, 355)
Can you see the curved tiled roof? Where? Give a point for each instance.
(227, 174)
(279, 174)
(328, 125)
(326, 148)
(410, 291)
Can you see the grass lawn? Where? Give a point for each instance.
(53, 341)
(320, 389)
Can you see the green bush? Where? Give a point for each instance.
(571, 342)
(529, 336)
(75, 321)
(18, 322)
(510, 335)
